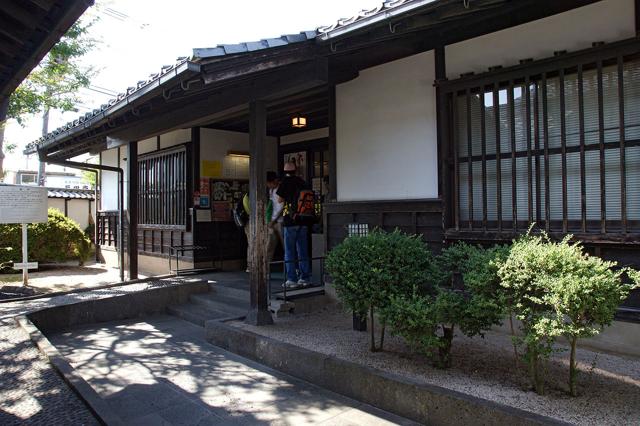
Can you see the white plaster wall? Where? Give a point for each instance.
(607, 20)
(109, 184)
(56, 203)
(175, 137)
(386, 132)
(214, 145)
(147, 145)
(305, 136)
(78, 211)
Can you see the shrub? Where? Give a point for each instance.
(368, 271)
(58, 240)
(427, 320)
(558, 290)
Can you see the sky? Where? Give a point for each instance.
(137, 37)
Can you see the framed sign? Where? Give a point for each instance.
(23, 204)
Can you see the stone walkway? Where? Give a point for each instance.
(161, 371)
(31, 392)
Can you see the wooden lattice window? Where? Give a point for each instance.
(162, 188)
(556, 142)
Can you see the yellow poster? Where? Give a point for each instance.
(211, 169)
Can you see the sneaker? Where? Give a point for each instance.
(289, 285)
(304, 283)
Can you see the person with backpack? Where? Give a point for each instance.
(241, 213)
(298, 215)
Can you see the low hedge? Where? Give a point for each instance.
(58, 240)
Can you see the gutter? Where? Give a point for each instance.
(377, 18)
(94, 168)
(186, 67)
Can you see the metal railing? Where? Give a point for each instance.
(281, 290)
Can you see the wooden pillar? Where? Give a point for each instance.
(637, 16)
(443, 140)
(132, 210)
(259, 312)
(333, 158)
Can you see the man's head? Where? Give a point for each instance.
(272, 180)
(290, 168)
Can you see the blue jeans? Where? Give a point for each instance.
(295, 248)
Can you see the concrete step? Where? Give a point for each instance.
(216, 302)
(195, 314)
(240, 294)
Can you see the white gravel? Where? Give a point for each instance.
(609, 385)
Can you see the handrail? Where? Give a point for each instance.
(284, 262)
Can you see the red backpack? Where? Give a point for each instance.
(306, 207)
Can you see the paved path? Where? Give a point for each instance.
(31, 392)
(160, 371)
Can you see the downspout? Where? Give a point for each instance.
(95, 168)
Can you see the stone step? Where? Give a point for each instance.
(216, 302)
(195, 314)
(240, 294)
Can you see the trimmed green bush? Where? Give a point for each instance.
(559, 290)
(427, 320)
(58, 240)
(368, 271)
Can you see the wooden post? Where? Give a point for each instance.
(258, 313)
(333, 157)
(132, 210)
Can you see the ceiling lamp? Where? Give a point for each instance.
(299, 122)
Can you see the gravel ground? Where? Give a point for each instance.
(609, 385)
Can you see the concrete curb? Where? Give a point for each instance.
(100, 409)
(399, 395)
(119, 307)
(86, 289)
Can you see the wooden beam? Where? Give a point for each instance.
(197, 110)
(333, 140)
(637, 16)
(132, 209)
(259, 277)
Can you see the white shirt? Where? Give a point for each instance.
(277, 205)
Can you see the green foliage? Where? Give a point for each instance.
(369, 271)
(559, 290)
(427, 320)
(58, 240)
(54, 83)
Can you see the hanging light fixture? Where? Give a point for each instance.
(299, 122)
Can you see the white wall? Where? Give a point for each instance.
(386, 132)
(607, 20)
(175, 137)
(147, 145)
(305, 136)
(215, 144)
(109, 184)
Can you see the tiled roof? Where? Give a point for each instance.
(140, 87)
(198, 54)
(85, 194)
(167, 72)
(251, 46)
(365, 17)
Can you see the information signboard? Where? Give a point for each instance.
(23, 204)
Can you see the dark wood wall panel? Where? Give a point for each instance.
(422, 217)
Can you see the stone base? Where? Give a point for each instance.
(258, 317)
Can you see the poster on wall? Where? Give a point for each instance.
(300, 161)
(211, 169)
(221, 211)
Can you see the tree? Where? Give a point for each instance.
(54, 83)
(368, 271)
